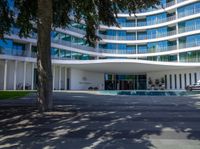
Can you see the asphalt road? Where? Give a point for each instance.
(85, 121)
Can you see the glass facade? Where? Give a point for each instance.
(151, 37)
(125, 82)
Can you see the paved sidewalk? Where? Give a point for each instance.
(86, 121)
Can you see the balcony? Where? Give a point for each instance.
(189, 28)
(133, 37)
(189, 12)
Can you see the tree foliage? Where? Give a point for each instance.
(45, 15)
(91, 12)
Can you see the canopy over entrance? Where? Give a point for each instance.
(126, 66)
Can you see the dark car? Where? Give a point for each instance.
(195, 86)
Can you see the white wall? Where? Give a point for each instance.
(159, 75)
(82, 80)
(10, 75)
(20, 73)
(56, 77)
(63, 78)
(29, 74)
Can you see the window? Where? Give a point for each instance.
(18, 49)
(180, 81)
(6, 46)
(190, 77)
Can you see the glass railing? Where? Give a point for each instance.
(11, 51)
(117, 51)
(71, 46)
(159, 35)
(180, 1)
(190, 60)
(142, 23)
(157, 49)
(163, 20)
(189, 12)
(151, 36)
(169, 4)
(189, 28)
(189, 44)
(77, 30)
(166, 5)
(133, 37)
(127, 24)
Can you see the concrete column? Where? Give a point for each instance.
(24, 80)
(59, 82)
(5, 75)
(65, 78)
(32, 77)
(54, 73)
(177, 32)
(15, 75)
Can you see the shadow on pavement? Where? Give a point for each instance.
(83, 121)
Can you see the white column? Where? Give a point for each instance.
(5, 75)
(24, 80)
(59, 82)
(65, 78)
(32, 77)
(15, 75)
(54, 73)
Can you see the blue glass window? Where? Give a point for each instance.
(6, 46)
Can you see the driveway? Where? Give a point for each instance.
(87, 121)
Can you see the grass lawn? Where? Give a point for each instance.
(12, 94)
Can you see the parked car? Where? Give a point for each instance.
(195, 86)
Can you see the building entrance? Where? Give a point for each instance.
(125, 82)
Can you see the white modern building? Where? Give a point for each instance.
(156, 48)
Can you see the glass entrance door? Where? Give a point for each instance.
(125, 82)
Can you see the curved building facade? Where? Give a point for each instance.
(152, 49)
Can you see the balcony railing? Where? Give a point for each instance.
(77, 30)
(91, 49)
(189, 44)
(189, 12)
(133, 37)
(10, 51)
(163, 20)
(157, 49)
(189, 28)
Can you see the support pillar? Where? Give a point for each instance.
(15, 76)
(59, 82)
(54, 74)
(32, 77)
(65, 78)
(24, 79)
(5, 74)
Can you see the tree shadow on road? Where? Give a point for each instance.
(77, 124)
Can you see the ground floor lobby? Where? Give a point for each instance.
(22, 75)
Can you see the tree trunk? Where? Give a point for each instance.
(44, 55)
